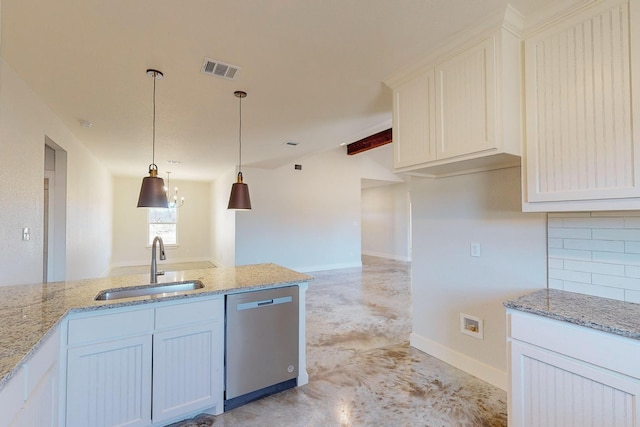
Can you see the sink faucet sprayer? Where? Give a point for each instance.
(154, 267)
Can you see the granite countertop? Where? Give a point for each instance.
(603, 314)
(29, 313)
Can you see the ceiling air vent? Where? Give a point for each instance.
(219, 69)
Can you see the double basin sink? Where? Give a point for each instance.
(160, 289)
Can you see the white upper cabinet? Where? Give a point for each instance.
(460, 110)
(582, 73)
(414, 107)
(466, 94)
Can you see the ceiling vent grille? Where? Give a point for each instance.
(220, 69)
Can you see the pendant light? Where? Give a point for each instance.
(152, 193)
(239, 198)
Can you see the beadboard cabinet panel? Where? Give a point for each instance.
(460, 112)
(554, 391)
(466, 96)
(414, 133)
(565, 375)
(166, 364)
(580, 141)
(109, 384)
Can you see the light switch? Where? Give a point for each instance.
(475, 249)
(26, 234)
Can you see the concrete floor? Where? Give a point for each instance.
(361, 368)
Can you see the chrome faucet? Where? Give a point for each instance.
(154, 266)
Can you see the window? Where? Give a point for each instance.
(163, 222)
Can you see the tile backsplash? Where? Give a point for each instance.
(595, 253)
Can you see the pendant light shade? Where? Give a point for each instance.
(239, 198)
(152, 193)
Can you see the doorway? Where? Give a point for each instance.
(54, 257)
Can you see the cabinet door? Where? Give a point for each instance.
(550, 390)
(187, 370)
(109, 384)
(580, 142)
(41, 409)
(466, 102)
(413, 121)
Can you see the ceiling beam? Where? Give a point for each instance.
(370, 142)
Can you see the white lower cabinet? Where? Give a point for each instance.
(563, 375)
(31, 397)
(188, 361)
(145, 367)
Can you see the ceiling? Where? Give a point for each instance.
(313, 71)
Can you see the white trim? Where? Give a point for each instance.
(388, 256)
(148, 262)
(461, 361)
(308, 269)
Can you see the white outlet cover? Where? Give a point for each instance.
(475, 249)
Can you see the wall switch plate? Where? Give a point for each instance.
(26, 234)
(471, 325)
(475, 249)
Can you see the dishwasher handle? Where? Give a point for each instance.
(263, 303)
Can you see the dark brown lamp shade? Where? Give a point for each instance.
(152, 192)
(239, 198)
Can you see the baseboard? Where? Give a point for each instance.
(324, 267)
(148, 262)
(388, 256)
(461, 361)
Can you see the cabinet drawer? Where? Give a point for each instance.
(110, 326)
(190, 312)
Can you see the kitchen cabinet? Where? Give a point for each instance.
(31, 397)
(567, 375)
(188, 353)
(461, 112)
(582, 146)
(140, 367)
(414, 135)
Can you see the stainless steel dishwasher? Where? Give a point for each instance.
(261, 352)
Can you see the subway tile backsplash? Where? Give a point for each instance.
(595, 253)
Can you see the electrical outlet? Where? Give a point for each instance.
(471, 325)
(475, 249)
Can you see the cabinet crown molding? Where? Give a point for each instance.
(509, 19)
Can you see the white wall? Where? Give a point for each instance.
(308, 219)
(596, 253)
(449, 214)
(24, 122)
(130, 244)
(385, 221)
(223, 229)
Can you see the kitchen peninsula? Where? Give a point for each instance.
(44, 328)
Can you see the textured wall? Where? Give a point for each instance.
(385, 221)
(449, 214)
(130, 245)
(24, 122)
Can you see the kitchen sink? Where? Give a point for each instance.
(160, 289)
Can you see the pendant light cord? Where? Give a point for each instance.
(240, 139)
(153, 149)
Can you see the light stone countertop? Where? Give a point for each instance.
(29, 313)
(603, 314)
